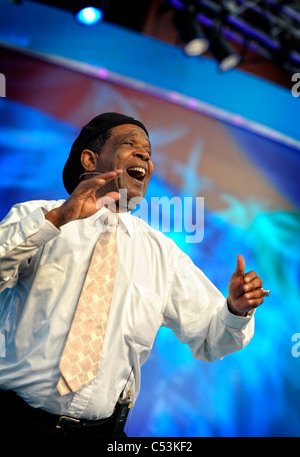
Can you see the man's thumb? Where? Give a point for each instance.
(240, 265)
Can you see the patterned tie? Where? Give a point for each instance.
(81, 355)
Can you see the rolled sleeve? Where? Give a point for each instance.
(15, 232)
(20, 241)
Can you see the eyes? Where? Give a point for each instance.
(132, 145)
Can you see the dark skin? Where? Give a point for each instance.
(129, 148)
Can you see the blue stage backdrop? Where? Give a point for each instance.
(251, 196)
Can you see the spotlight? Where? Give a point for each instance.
(89, 15)
(222, 51)
(190, 32)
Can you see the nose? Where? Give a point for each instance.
(142, 154)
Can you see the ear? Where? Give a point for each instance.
(89, 160)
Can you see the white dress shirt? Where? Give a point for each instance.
(42, 270)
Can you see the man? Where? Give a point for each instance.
(46, 257)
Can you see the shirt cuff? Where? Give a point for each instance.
(46, 232)
(234, 321)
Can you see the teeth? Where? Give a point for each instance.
(140, 169)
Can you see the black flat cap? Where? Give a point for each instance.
(73, 168)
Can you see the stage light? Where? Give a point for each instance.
(89, 15)
(190, 32)
(222, 51)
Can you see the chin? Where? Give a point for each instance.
(129, 199)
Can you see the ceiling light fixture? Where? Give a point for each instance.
(190, 32)
(222, 50)
(89, 15)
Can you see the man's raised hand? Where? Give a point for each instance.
(245, 289)
(83, 202)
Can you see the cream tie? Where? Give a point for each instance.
(81, 355)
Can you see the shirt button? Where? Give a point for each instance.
(94, 417)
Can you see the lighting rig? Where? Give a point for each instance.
(268, 28)
(226, 29)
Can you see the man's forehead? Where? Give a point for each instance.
(129, 130)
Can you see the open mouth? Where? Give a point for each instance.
(137, 173)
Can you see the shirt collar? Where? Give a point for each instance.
(125, 222)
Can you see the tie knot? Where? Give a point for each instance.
(110, 219)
